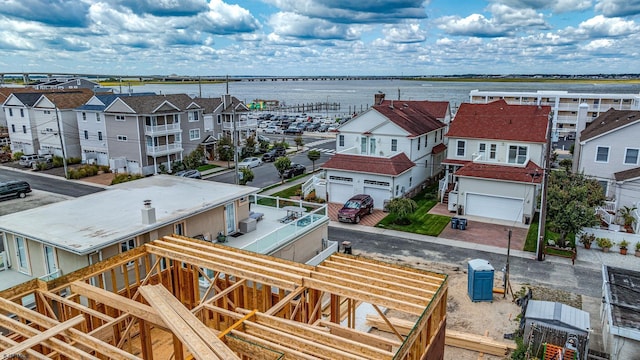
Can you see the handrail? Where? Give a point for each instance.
(605, 215)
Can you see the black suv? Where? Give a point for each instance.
(294, 170)
(14, 188)
(273, 154)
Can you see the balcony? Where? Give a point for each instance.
(165, 129)
(249, 124)
(162, 150)
(272, 234)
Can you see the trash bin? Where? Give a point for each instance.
(462, 224)
(454, 222)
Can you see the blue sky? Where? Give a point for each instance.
(320, 37)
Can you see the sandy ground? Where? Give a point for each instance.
(494, 318)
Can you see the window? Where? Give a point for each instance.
(219, 118)
(50, 261)
(24, 129)
(631, 157)
(126, 246)
(178, 228)
(363, 145)
(177, 138)
(10, 112)
(100, 135)
(460, 148)
(419, 142)
(482, 150)
(119, 117)
(492, 151)
(21, 112)
(13, 128)
(86, 135)
(372, 146)
(394, 145)
(122, 138)
(517, 154)
(602, 154)
(84, 116)
(340, 140)
(47, 112)
(193, 116)
(23, 258)
(194, 134)
(98, 117)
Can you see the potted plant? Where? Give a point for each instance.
(221, 237)
(604, 243)
(587, 240)
(626, 213)
(638, 249)
(623, 246)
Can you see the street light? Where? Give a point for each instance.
(326, 104)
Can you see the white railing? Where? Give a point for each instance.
(636, 215)
(444, 183)
(241, 124)
(161, 128)
(163, 149)
(309, 185)
(609, 206)
(605, 215)
(52, 275)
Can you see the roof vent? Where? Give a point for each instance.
(391, 106)
(405, 105)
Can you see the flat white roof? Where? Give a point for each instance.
(555, 93)
(92, 222)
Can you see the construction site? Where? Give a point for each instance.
(181, 298)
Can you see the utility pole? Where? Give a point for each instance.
(543, 206)
(235, 148)
(64, 155)
(506, 271)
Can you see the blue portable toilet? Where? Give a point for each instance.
(480, 286)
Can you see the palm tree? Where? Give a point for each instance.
(313, 155)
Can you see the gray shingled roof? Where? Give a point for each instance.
(609, 121)
(147, 104)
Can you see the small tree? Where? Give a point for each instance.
(195, 158)
(313, 155)
(299, 141)
(282, 163)
(246, 175)
(401, 208)
(225, 150)
(571, 202)
(250, 146)
(566, 164)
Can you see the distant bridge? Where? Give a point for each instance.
(30, 76)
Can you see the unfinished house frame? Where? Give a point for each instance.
(152, 303)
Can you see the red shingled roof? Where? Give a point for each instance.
(416, 117)
(395, 165)
(501, 121)
(439, 148)
(502, 172)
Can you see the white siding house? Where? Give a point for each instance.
(495, 160)
(388, 151)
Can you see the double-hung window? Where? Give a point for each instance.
(340, 140)
(126, 246)
(394, 144)
(492, 151)
(363, 145)
(631, 157)
(460, 148)
(602, 154)
(517, 154)
(194, 134)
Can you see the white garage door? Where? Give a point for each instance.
(378, 195)
(340, 193)
(494, 207)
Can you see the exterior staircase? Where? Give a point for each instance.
(445, 199)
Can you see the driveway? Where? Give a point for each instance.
(367, 220)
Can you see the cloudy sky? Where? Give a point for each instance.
(320, 37)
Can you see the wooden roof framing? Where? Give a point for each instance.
(209, 301)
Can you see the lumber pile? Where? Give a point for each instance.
(459, 339)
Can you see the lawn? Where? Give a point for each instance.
(284, 194)
(532, 236)
(207, 167)
(421, 222)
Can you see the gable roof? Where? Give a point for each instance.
(395, 165)
(69, 99)
(148, 104)
(502, 172)
(611, 120)
(415, 117)
(107, 99)
(209, 104)
(625, 175)
(500, 121)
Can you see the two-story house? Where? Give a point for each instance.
(149, 131)
(20, 122)
(608, 150)
(495, 160)
(387, 151)
(56, 239)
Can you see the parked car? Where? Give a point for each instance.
(312, 126)
(261, 137)
(355, 208)
(194, 174)
(43, 164)
(271, 129)
(14, 188)
(323, 127)
(333, 128)
(250, 162)
(29, 160)
(273, 154)
(293, 130)
(294, 170)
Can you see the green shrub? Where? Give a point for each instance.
(105, 168)
(17, 155)
(58, 161)
(120, 178)
(74, 160)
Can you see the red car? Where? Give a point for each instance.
(355, 208)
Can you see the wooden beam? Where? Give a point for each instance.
(75, 305)
(285, 301)
(41, 337)
(201, 340)
(478, 343)
(393, 329)
(365, 296)
(397, 283)
(365, 338)
(139, 310)
(265, 278)
(365, 264)
(6, 343)
(236, 324)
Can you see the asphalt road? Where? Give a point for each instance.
(50, 184)
(575, 279)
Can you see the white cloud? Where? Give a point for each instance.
(559, 6)
(473, 25)
(300, 26)
(598, 44)
(613, 8)
(404, 33)
(517, 18)
(600, 26)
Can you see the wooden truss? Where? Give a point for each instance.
(183, 298)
